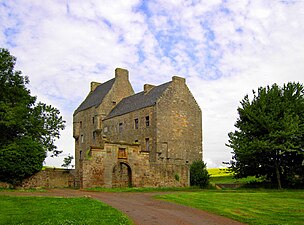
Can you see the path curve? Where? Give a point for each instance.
(142, 208)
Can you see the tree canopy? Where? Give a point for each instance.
(269, 140)
(199, 175)
(28, 129)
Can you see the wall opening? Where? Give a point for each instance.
(121, 175)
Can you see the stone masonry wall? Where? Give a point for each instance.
(99, 169)
(179, 123)
(49, 178)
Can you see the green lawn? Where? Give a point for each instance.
(248, 206)
(49, 210)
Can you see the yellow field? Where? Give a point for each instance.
(219, 172)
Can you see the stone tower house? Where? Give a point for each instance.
(144, 139)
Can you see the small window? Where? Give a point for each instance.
(147, 144)
(136, 141)
(122, 154)
(82, 139)
(80, 124)
(80, 154)
(93, 119)
(94, 135)
(120, 127)
(147, 121)
(136, 123)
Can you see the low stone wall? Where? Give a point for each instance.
(49, 178)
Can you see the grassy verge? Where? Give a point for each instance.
(49, 210)
(143, 189)
(248, 206)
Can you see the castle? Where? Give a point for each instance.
(142, 140)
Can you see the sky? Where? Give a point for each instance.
(224, 49)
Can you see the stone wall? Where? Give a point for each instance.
(179, 125)
(50, 178)
(122, 165)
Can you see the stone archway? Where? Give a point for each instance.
(121, 175)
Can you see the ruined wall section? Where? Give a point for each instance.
(179, 122)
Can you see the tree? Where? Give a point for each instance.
(269, 140)
(199, 175)
(28, 129)
(67, 161)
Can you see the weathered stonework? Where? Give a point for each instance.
(142, 140)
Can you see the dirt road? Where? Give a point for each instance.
(142, 208)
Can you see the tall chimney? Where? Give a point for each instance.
(121, 74)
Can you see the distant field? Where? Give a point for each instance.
(224, 176)
(247, 206)
(49, 210)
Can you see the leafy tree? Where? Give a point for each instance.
(269, 140)
(199, 175)
(27, 130)
(67, 161)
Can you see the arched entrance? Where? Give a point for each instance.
(121, 175)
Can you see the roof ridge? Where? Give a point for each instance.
(95, 97)
(138, 101)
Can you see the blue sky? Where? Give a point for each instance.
(223, 48)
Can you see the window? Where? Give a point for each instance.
(136, 141)
(122, 154)
(82, 139)
(147, 121)
(147, 144)
(94, 135)
(120, 127)
(136, 123)
(80, 125)
(105, 129)
(93, 119)
(80, 154)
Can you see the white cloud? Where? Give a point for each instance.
(224, 49)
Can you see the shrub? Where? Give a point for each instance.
(199, 175)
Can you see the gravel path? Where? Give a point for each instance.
(142, 208)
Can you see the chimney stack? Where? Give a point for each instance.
(177, 79)
(148, 87)
(121, 74)
(94, 85)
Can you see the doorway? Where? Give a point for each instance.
(122, 175)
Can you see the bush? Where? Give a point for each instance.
(199, 175)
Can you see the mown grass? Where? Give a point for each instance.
(249, 206)
(50, 210)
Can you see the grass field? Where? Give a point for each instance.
(248, 206)
(224, 176)
(49, 210)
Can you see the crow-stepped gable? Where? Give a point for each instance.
(146, 139)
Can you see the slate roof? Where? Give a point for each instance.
(138, 101)
(96, 97)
